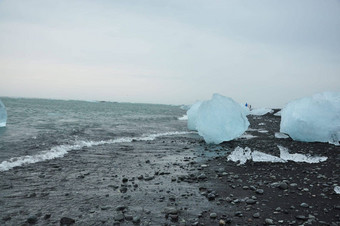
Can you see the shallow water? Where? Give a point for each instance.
(36, 128)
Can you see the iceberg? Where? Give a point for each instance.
(192, 115)
(315, 118)
(260, 111)
(219, 119)
(3, 115)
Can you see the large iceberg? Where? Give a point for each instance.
(315, 118)
(192, 115)
(217, 120)
(3, 115)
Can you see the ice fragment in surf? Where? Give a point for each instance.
(192, 115)
(315, 118)
(219, 119)
(3, 115)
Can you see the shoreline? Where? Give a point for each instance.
(176, 181)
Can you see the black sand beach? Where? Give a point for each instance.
(176, 180)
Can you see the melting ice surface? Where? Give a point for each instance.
(217, 120)
(192, 115)
(284, 154)
(3, 115)
(315, 118)
(260, 111)
(61, 150)
(242, 155)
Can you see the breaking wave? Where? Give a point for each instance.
(61, 150)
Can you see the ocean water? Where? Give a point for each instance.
(42, 129)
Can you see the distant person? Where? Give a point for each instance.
(249, 107)
(246, 104)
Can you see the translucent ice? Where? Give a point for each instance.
(192, 115)
(3, 115)
(219, 119)
(242, 155)
(285, 155)
(315, 118)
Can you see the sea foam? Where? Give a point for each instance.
(61, 150)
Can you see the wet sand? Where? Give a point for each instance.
(176, 180)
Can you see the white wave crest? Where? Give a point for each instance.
(61, 150)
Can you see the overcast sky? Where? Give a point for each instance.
(169, 51)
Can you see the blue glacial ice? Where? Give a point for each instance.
(3, 115)
(192, 115)
(315, 118)
(217, 120)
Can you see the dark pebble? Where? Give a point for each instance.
(32, 220)
(250, 201)
(283, 186)
(65, 221)
(120, 208)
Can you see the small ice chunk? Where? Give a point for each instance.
(3, 115)
(220, 119)
(184, 117)
(243, 155)
(240, 155)
(315, 118)
(192, 115)
(278, 113)
(281, 136)
(261, 111)
(258, 156)
(337, 190)
(284, 154)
